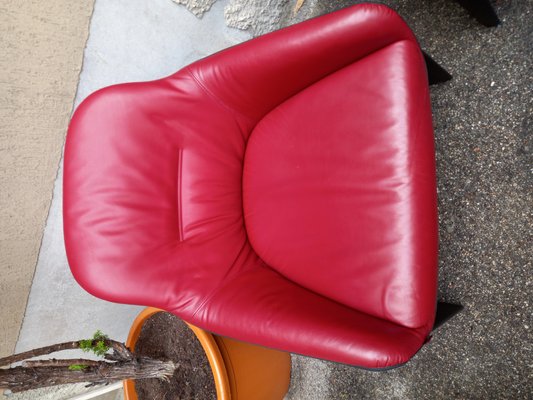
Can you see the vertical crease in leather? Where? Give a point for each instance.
(228, 273)
(215, 98)
(179, 200)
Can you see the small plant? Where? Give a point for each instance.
(77, 367)
(97, 344)
(117, 363)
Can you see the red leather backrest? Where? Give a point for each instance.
(152, 193)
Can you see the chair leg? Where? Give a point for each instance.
(436, 74)
(445, 311)
(481, 10)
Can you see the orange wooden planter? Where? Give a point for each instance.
(241, 371)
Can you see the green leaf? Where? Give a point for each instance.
(96, 344)
(77, 367)
(98, 335)
(86, 345)
(100, 348)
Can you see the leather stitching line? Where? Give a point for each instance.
(214, 97)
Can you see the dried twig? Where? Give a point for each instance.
(59, 363)
(19, 379)
(121, 352)
(299, 4)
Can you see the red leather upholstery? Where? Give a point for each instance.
(280, 192)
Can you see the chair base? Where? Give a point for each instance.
(436, 74)
(482, 11)
(445, 311)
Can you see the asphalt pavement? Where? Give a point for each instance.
(483, 120)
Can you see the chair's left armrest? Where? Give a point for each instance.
(254, 77)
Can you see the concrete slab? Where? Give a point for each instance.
(41, 54)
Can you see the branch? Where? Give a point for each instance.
(59, 363)
(298, 5)
(19, 379)
(39, 352)
(120, 351)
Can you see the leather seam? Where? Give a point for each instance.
(223, 283)
(235, 113)
(181, 237)
(217, 99)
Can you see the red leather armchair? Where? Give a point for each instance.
(280, 192)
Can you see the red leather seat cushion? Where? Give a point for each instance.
(338, 187)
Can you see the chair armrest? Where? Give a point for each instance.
(255, 76)
(262, 307)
